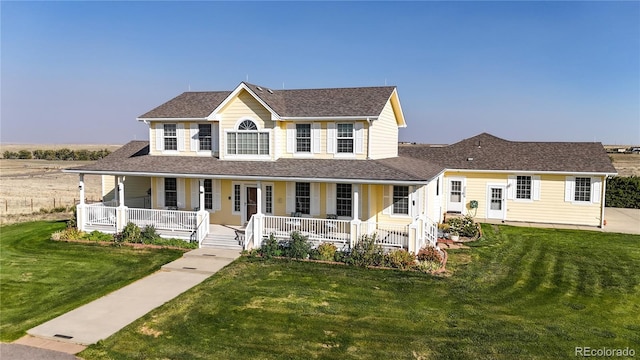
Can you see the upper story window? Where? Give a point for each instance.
(582, 190)
(303, 138)
(247, 140)
(204, 137)
(170, 137)
(523, 187)
(345, 138)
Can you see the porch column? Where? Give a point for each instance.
(121, 211)
(81, 188)
(356, 202)
(121, 191)
(201, 206)
(80, 207)
(259, 198)
(258, 217)
(356, 224)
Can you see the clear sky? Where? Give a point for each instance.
(81, 72)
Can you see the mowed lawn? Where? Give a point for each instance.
(41, 279)
(518, 293)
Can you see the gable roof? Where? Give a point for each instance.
(134, 158)
(297, 103)
(488, 152)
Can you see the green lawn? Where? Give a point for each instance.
(518, 293)
(41, 279)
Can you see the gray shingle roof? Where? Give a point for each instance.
(134, 158)
(492, 153)
(358, 101)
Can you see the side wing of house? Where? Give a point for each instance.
(527, 197)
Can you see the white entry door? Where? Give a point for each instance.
(455, 197)
(495, 202)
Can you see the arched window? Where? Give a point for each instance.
(247, 140)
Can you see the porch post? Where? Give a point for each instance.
(356, 202)
(259, 198)
(201, 194)
(80, 207)
(121, 210)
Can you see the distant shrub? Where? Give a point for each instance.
(10, 155)
(623, 192)
(24, 154)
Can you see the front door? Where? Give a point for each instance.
(455, 198)
(252, 202)
(495, 202)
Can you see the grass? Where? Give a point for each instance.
(517, 293)
(41, 279)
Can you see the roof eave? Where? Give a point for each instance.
(597, 173)
(214, 115)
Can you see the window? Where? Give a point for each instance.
(170, 137)
(208, 194)
(303, 137)
(401, 200)
(248, 140)
(204, 136)
(170, 192)
(268, 199)
(523, 187)
(303, 198)
(343, 200)
(345, 138)
(582, 189)
(236, 198)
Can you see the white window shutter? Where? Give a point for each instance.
(180, 135)
(387, 201)
(512, 183)
(291, 197)
(316, 133)
(160, 192)
(217, 198)
(359, 137)
(291, 138)
(215, 137)
(536, 187)
(159, 136)
(195, 193)
(596, 186)
(193, 137)
(331, 138)
(181, 193)
(315, 199)
(331, 198)
(569, 184)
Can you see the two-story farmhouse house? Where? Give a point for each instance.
(325, 162)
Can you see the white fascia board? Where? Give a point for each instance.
(395, 95)
(327, 118)
(250, 178)
(171, 119)
(534, 172)
(215, 116)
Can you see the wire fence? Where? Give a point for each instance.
(41, 205)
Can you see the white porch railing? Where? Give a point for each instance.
(390, 235)
(172, 220)
(203, 227)
(98, 214)
(317, 230)
(249, 235)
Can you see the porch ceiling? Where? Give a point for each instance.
(134, 158)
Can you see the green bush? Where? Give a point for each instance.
(174, 243)
(463, 226)
(400, 259)
(68, 234)
(131, 233)
(325, 252)
(623, 192)
(270, 248)
(149, 234)
(297, 247)
(98, 236)
(428, 266)
(366, 252)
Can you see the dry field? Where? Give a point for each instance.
(27, 186)
(626, 164)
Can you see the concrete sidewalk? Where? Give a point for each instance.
(105, 316)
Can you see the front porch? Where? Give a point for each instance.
(195, 226)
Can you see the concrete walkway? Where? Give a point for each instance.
(105, 316)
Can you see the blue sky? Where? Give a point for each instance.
(81, 72)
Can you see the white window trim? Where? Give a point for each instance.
(512, 188)
(335, 199)
(195, 139)
(388, 203)
(264, 198)
(595, 190)
(353, 140)
(247, 156)
(233, 198)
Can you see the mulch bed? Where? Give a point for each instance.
(133, 245)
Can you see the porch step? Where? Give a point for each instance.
(220, 241)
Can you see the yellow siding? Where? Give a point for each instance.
(384, 134)
(322, 152)
(551, 208)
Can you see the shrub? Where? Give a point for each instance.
(400, 259)
(68, 234)
(623, 192)
(341, 256)
(175, 243)
(366, 252)
(298, 246)
(464, 226)
(270, 248)
(148, 234)
(98, 236)
(325, 252)
(429, 253)
(131, 233)
(428, 266)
